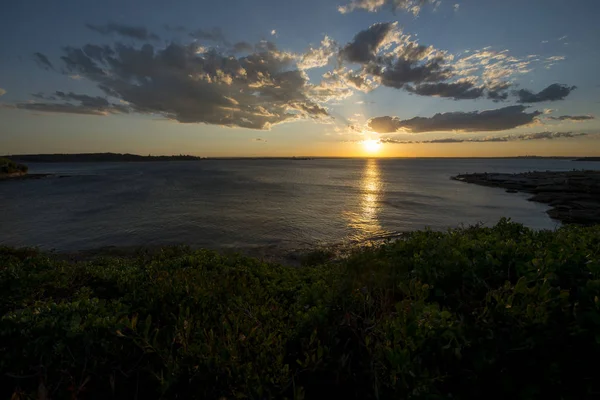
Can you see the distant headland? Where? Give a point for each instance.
(96, 157)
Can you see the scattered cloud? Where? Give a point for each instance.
(509, 138)
(456, 7)
(2, 92)
(273, 32)
(475, 121)
(574, 118)
(554, 92)
(412, 6)
(75, 77)
(562, 38)
(259, 140)
(43, 61)
(133, 32)
(318, 57)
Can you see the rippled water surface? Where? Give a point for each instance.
(246, 203)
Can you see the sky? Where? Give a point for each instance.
(388, 78)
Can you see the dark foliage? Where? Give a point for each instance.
(494, 313)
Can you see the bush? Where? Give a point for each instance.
(8, 166)
(502, 312)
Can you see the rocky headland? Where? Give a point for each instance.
(573, 195)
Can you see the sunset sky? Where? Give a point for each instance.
(397, 78)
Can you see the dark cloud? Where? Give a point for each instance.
(191, 84)
(412, 6)
(134, 32)
(553, 92)
(242, 47)
(215, 35)
(573, 118)
(510, 138)
(476, 121)
(405, 70)
(393, 59)
(87, 105)
(43, 61)
(456, 91)
(365, 45)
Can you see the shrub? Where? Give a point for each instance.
(502, 312)
(8, 166)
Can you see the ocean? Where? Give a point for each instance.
(239, 204)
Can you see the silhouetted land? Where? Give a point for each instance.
(573, 195)
(588, 159)
(96, 157)
(504, 313)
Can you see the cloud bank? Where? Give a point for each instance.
(509, 138)
(475, 121)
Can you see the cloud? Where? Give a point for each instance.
(134, 32)
(475, 121)
(242, 47)
(509, 138)
(2, 92)
(87, 105)
(412, 6)
(365, 44)
(573, 118)
(43, 61)
(215, 35)
(456, 7)
(318, 57)
(393, 59)
(553, 92)
(457, 91)
(192, 84)
(562, 38)
(273, 32)
(259, 140)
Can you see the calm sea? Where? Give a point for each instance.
(248, 203)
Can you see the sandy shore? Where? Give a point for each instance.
(573, 195)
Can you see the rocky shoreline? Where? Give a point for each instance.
(22, 176)
(573, 195)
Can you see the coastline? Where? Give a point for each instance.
(19, 176)
(573, 195)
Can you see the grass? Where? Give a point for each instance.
(502, 312)
(8, 166)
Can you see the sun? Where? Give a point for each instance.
(371, 146)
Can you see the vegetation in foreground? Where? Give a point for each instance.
(503, 312)
(8, 166)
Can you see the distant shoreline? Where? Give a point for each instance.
(127, 157)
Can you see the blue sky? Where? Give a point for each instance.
(218, 102)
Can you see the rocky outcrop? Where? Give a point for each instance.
(574, 195)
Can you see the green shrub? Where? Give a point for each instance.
(502, 312)
(8, 166)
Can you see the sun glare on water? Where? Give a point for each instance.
(371, 146)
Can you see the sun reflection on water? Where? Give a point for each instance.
(365, 220)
